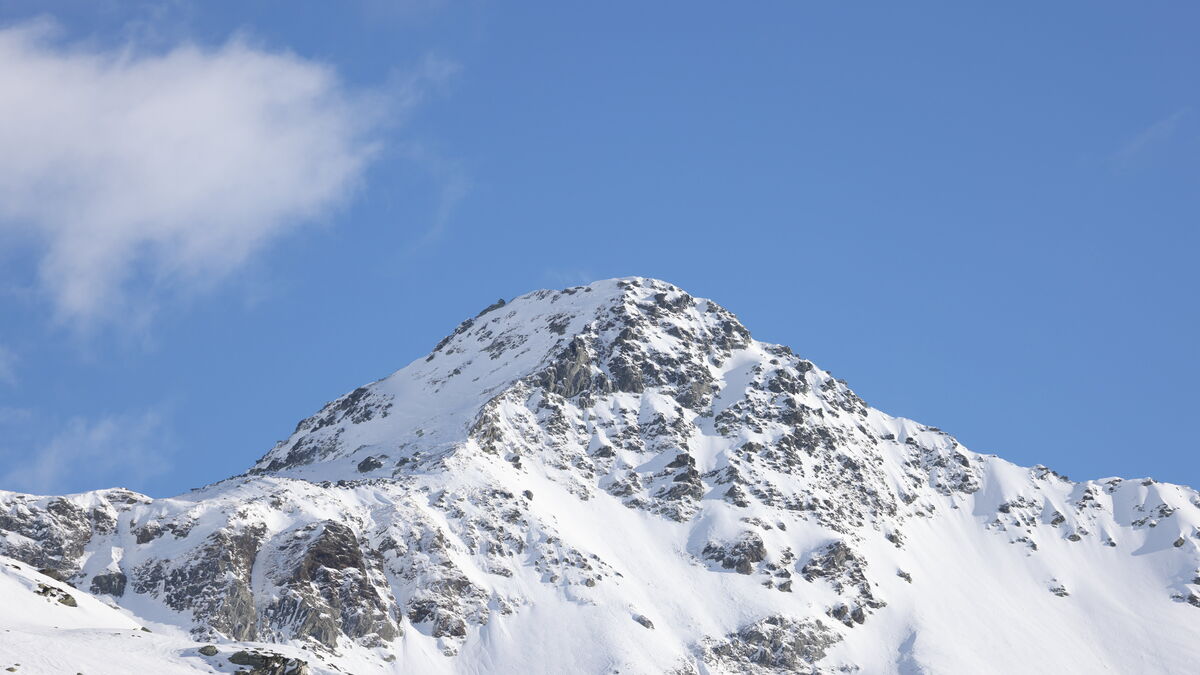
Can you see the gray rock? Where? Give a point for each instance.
(571, 373)
(112, 583)
(328, 592)
(740, 555)
(369, 464)
(58, 594)
(268, 663)
(213, 583)
(777, 644)
(53, 574)
(845, 570)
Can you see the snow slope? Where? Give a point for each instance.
(618, 478)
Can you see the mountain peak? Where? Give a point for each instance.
(617, 477)
(622, 334)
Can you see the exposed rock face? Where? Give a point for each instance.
(740, 555)
(330, 590)
(213, 582)
(703, 500)
(109, 584)
(845, 570)
(370, 464)
(360, 405)
(265, 663)
(54, 532)
(775, 644)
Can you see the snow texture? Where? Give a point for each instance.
(611, 478)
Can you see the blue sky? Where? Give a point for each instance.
(214, 218)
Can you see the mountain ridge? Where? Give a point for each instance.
(618, 477)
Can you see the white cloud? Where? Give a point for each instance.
(133, 173)
(87, 454)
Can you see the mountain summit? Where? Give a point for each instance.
(615, 478)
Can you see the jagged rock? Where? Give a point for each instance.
(213, 583)
(112, 583)
(740, 555)
(208, 650)
(328, 592)
(265, 663)
(571, 373)
(148, 532)
(369, 464)
(441, 606)
(736, 496)
(775, 644)
(53, 574)
(58, 594)
(844, 569)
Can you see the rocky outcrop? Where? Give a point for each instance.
(268, 663)
(111, 583)
(740, 555)
(53, 532)
(62, 596)
(212, 582)
(329, 591)
(775, 644)
(844, 569)
(316, 437)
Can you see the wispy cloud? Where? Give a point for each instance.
(88, 454)
(452, 186)
(10, 415)
(1149, 138)
(135, 175)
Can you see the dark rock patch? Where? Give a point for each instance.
(112, 584)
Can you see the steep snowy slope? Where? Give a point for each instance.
(47, 626)
(617, 478)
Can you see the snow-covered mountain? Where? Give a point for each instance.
(616, 478)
